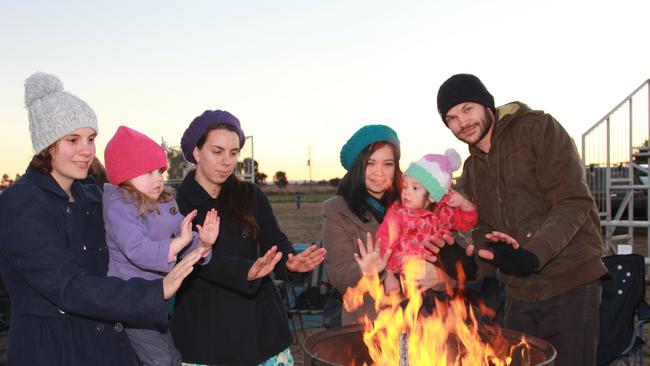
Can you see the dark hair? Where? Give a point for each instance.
(353, 185)
(235, 196)
(42, 161)
(98, 173)
(144, 203)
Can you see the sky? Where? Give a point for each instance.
(305, 75)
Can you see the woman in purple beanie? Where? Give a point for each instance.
(228, 312)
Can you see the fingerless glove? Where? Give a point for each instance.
(449, 255)
(517, 262)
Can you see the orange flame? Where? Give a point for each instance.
(430, 338)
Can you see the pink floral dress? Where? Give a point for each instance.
(405, 231)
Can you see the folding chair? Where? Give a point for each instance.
(305, 302)
(623, 311)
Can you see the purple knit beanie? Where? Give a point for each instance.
(201, 124)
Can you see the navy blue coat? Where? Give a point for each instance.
(53, 260)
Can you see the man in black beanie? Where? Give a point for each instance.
(538, 223)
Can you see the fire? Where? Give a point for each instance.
(449, 336)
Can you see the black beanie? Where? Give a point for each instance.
(462, 88)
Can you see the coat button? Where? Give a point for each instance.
(100, 327)
(119, 327)
(61, 311)
(67, 210)
(529, 235)
(84, 247)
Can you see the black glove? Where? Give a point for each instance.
(449, 255)
(517, 262)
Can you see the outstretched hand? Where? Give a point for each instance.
(505, 253)
(182, 269)
(306, 261)
(433, 245)
(369, 259)
(264, 264)
(494, 236)
(185, 236)
(209, 231)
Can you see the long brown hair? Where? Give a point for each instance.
(353, 185)
(235, 197)
(144, 203)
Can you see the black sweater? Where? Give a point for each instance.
(220, 317)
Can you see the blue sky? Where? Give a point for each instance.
(302, 74)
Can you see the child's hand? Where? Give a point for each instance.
(185, 236)
(209, 232)
(458, 200)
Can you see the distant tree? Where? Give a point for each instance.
(280, 179)
(177, 163)
(260, 178)
(244, 168)
(334, 182)
(6, 182)
(322, 182)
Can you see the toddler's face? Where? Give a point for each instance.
(150, 184)
(414, 195)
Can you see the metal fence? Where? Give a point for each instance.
(615, 154)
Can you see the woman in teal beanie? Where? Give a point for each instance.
(371, 184)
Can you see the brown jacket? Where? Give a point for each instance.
(341, 229)
(531, 185)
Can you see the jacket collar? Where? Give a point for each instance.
(505, 114)
(192, 191)
(343, 208)
(47, 183)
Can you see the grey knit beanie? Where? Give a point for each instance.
(53, 113)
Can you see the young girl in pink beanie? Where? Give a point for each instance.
(145, 232)
(428, 208)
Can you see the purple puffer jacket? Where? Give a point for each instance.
(138, 246)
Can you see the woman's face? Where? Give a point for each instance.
(72, 156)
(218, 157)
(380, 171)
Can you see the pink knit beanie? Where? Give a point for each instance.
(130, 154)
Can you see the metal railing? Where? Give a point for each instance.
(615, 154)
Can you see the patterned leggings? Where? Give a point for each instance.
(283, 358)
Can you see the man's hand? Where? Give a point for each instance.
(517, 262)
(433, 246)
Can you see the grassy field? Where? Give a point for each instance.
(302, 225)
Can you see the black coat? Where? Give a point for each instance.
(219, 316)
(53, 260)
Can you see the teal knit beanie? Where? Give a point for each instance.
(364, 137)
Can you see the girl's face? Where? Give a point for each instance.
(414, 195)
(218, 157)
(72, 156)
(150, 184)
(380, 171)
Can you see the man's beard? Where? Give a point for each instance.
(485, 125)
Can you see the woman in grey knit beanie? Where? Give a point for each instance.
(53, 255)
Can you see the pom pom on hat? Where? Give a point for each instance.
(201, 124)
(54, 113)
(40, 85)
(434, 172)
(364, 137)
(130, 153)
(453, 158)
